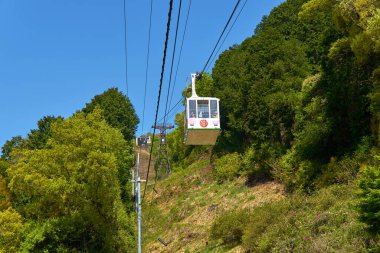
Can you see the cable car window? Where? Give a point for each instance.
(203, 110)
(214, 108)
(192, 109)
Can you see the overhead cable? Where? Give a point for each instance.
(180, 54)
(125, 47)
(229, 30)
(176, 104)
(172, 63)
(159, 91)
(147, 65)
(221, 35)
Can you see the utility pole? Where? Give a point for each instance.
(137, 182)
(162, 165)
(133, 182)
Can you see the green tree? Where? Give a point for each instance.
(117, 110)
(369, 196)
(14, 143)
(38, 138)
(72, 189)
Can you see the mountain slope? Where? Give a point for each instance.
(187, 203)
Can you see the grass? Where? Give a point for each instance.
(189, 201)
(323, 222)
(190, 205)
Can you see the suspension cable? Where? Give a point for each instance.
(125, 47)
(229, 30)
(221, 35)
(172, 63)
(147, 66)
(180, 53)
(216, 45)
(159, 91)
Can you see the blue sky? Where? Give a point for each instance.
(56, 55)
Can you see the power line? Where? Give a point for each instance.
(125, 48)
(233, 12)
(180, 53)
(173, 112)
(221, 44)
(172, 108)
(216, 45)
(214, 55)
(159, 91)
(147, 65)
(173, 56)
(221, 35)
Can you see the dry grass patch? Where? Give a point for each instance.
(188, 202)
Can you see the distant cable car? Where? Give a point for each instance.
(143, 141)
(202, 119)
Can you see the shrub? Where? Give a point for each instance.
(322, 222)
(262, 219)
(294, 172)
(369, 196)
(229, 227)
(287, 166)
(345, 169)
(227, 167)
(257, 162)
(338, 171)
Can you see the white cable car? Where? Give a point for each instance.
(202, 119)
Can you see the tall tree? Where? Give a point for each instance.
(38, 138)
(117, 110)
(6, 149)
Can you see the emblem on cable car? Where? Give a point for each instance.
(203, 123)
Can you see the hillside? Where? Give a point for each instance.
(188, 202)
(193, 213)
(299, 106)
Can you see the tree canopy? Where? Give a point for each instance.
(70, 190)
(117, 110)
(301, 95)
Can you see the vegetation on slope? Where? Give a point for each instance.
(300, 105)
(192, 212)
(185, 205)
(65, 187)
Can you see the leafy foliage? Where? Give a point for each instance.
(38, 138)
(322, 222)
(230, 226)
(117, 110)
(72, 188)
(227, 167)
(15, 142)
(369, 196)
(5, 194)
(11, 226)
(295, 95)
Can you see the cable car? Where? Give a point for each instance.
(143, 141)
(202, 119)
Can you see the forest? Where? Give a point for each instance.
(300, 106)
